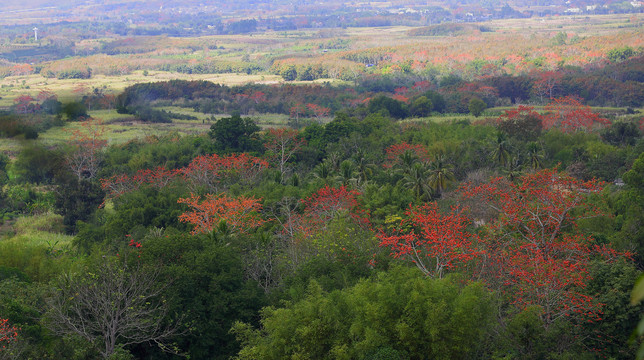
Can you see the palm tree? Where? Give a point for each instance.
(501, 152)
(363, 167)
(347, 173)
(535, 155)
(322, 171)
(513, 170)
(334, 159)
(416, 180)
(440, 174)
(407, 161)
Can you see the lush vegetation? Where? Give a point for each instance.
(425, 207)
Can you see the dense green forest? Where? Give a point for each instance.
(394, 217)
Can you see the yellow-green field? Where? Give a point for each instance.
(68, 89)
(120, 128)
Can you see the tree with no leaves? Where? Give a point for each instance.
(87, 145)
(112, 303)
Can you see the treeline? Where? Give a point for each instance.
(619, 84)
(210, 98)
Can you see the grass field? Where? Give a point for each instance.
(120, 128)
(35, 244)
(14, 86)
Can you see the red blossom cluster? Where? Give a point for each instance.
(546, 83)
(422, 85)
(321, 207)
(210, 171)
(400, 97)
(318, 111)
(436, 243)
(570, 115)
(8, 334)
(520, 112)
(240, 214)
(394, 152)
(205, 171)
(132, 243)
(479, 89)
(118, 185)
(24, 105)
(296, 111)
(534, 249)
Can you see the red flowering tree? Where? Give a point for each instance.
(521, 122)
(46, 95)
(552, 278)
(546, 83)
(535, 250)
(21, 69)
(23, 104)
(281, 145)
(393, 154)
(318, 111)
(212, 171)
(519, 112)
(258, 97)
(240, 214)
(570, 115)
(117, 185)
(321, 207)
(436, 243)
(87, 145)
(422, 86)
(8, 334)
(296, 111)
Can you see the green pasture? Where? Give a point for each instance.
(37, 245)
(121, 128)
(13, 86)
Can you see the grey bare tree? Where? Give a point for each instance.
(112, 303)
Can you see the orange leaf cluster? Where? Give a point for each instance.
(434, 242)
(240, 214)
(205, 171)
(394, 152)
(568, 114)
(534, 247)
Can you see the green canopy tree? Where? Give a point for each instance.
(235, 134)
(476, 106)
(401, 313)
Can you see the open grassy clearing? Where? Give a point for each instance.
(120, 128)
(9, 146)
(121, 132)
(14, 86)
(40, 230)
(263, 120)
(33, 244)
